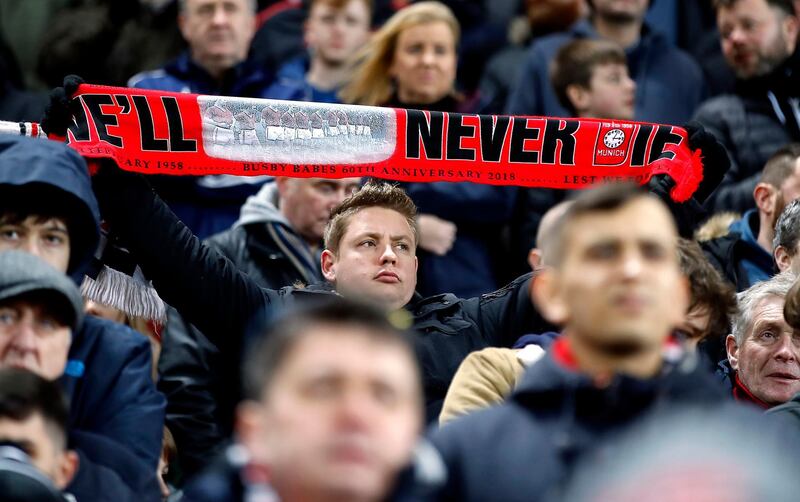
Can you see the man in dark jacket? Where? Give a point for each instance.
(278, 237)
(116, 414)
(218, 34)
(370, 253)
(759, 41)
(616, 287)
(745, 254)
(669, 84)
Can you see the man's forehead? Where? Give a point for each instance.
(641, 217)
(378, 220)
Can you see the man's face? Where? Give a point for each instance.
(48, 239)
(768, 361)
(334, 35)
(755, 37)
(376, 260)
(340, 418)
(424, 63)
(218, 31)
(39, 442)
(611, 93)
(621, 10)
(32, 339)
(307, 203)
(619, 285)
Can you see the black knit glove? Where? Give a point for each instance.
(60, 110)
(715, 159)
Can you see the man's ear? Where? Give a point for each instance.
(782, 258)
(764, 195)
(548, 298)
(535, 258)
(249, 427)
(66, 469)
(733, 351)
(328, 265)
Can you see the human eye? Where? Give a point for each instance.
(385, 394)
(768, 336)
(403, 246)
(368, 243)
(321, 388)
(9, 233)
(8, 316)
(653, 251)
(54, 238)
(603, 251)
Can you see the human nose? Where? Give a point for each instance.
(631, 265)
(353, 410)
(428, 57)
(786, 350)
(388, 255)
(24, 335)
(220, 16)
(31, 246)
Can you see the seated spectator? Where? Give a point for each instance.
(333, 32)
(278, 237)
(116, 414)
(488, 376)
(218, 33)
(590, 78)
(786, 242)
(759, 41)
(744, 253)
(615, 285)
(334, 410)
(669, 83)
(411, 63)
(33, 423)
(763, 349)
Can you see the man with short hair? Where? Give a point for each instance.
(333, 33)
(786, 243)
(116, 414)
(33, 429)
(333, 410)
(615, 285)
(744, 254)
(763, 349)
(759, 41)
(669, 84)
(218, 33)
(278, 237)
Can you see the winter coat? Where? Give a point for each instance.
(525, 449)
(264, 245)
(116, 415)
(222, 301)
(752, 124)
(291, 84)
(669, 84)
(207, 204)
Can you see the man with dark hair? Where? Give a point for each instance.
(590, 79)
(744, 253)
(33, 430)
(759, 41)
(47, 209)
(669, 84)
(615, 285)
(334, 408)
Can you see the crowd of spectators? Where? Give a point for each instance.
(232, 338)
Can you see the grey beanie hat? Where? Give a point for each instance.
(22, 273)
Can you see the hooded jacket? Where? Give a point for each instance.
(669, 84)
(263, 244)
(116, 415)
(525, 449)
(753, 123)
(224, 302)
